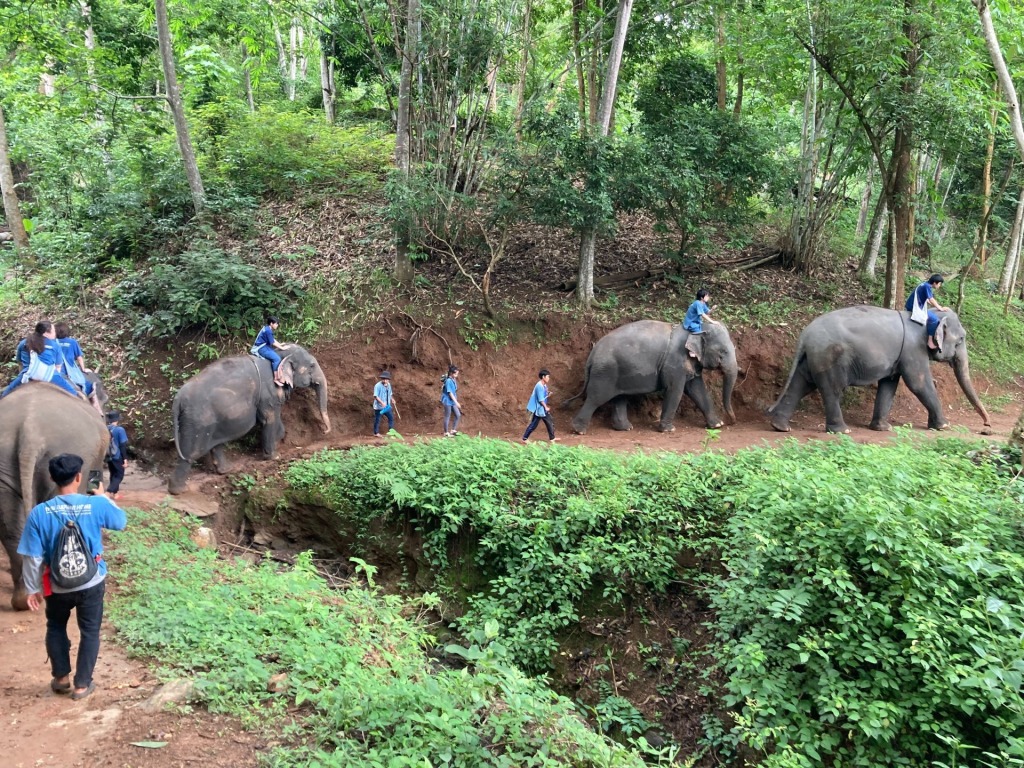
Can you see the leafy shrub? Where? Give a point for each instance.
(551, 526)
(206, 288)
(872, 609)
(355, 667)
(279, 151)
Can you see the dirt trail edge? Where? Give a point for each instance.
(41, 728)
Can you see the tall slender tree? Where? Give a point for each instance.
(12, 208)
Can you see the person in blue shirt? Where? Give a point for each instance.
(91, 513)
(266, 346)
(117, 454)
(450, 401)
(21, 355)
(383, 402)
(46, 360)
(74, 363)
(919, 301)
(698, 312)
(539, 408)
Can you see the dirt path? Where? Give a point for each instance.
(43, 729)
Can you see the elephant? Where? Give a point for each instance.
(231, 396)
(40, 421)
(864, 345)
(648, 356)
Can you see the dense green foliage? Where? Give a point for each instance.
(869, 611)
(357, 668)
(552, 526)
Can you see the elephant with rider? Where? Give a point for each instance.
(229, 397)
(865, 345)
(39, 421)
(651, 356)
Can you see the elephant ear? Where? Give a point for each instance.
(695, 346)
(286, 369)
(940, 335)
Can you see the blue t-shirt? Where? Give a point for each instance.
(383, 391)
(448, 394)
(538, 399)
(71, 351)
(693, 321)
(923, 292)
(265, 337)
(52, 354)
(92, 514)
(118, 442)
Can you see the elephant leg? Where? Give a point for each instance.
(620, 414)
(19, 600)
(220, 460)
(923, 386)
(272, 432)
(832, 385)
(697, 392)
(178, 483)
(883, 403)
(670, 405)
(581, 420)
(798, 387)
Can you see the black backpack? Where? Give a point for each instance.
(72, 563)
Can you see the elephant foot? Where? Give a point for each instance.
(622, 427)
(837, 429)
(19, 600)
(716, 425)
(579, 431)
(880, 426)
(939, 427)
(669, 428)
(781, 426)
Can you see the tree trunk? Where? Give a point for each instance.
(188, 155)
(902, 209)
(303, 59)
(293, 58)
(986, 186)
(12, 208)
(581, 88)
(403, 261)
(1008, 278)
(720, 73)
(523, 62)
(585, 276)
(865, 200)
(327, 86)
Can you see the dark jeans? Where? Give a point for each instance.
(116, 467)
(546, 418)
(88, 607)
(376, 420)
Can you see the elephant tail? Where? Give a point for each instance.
(578, 395)
(175, 408)
(797, 359)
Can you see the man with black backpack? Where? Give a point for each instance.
(62, 547)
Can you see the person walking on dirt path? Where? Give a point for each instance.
(90, 513)
(698, 312)
(539, 408)
(265, 346)
(450, 401)
(383, 402)
(117, 454)
(918, 303)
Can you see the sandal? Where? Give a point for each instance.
(79, 695)
(61, 688)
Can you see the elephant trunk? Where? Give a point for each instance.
(321, 388)
(963, 378)
(729, 371)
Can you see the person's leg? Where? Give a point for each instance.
(550, 424)
(447, 417)
(58, 645)
(10, 387)
(930, 327)
(274, 358)
(89, 612)
(376, 421)
(66, 385)
(391, 418)
(534, 421)
(116, 467)
(458, 418)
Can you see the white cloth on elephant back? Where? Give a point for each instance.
(919, 314)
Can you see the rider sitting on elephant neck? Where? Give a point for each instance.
(74, 363)
(265, 346)
(45, 360)
(922, 298)
(698, 312)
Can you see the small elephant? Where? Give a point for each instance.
(39, 421)
(231, 396)
(650, 355)
(860, 346)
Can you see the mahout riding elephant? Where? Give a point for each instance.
(649, 355)
(860, 346)
(39, 421)
(231, 396)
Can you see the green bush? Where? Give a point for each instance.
(552, 526)
(205, 288)
(360, 691)
(278, 152)
(871, 614)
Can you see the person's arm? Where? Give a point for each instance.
(935, 303)
(80, 362)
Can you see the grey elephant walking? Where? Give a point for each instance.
(650, 356)
(231, 396)
(861, 346)
(38, 422)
